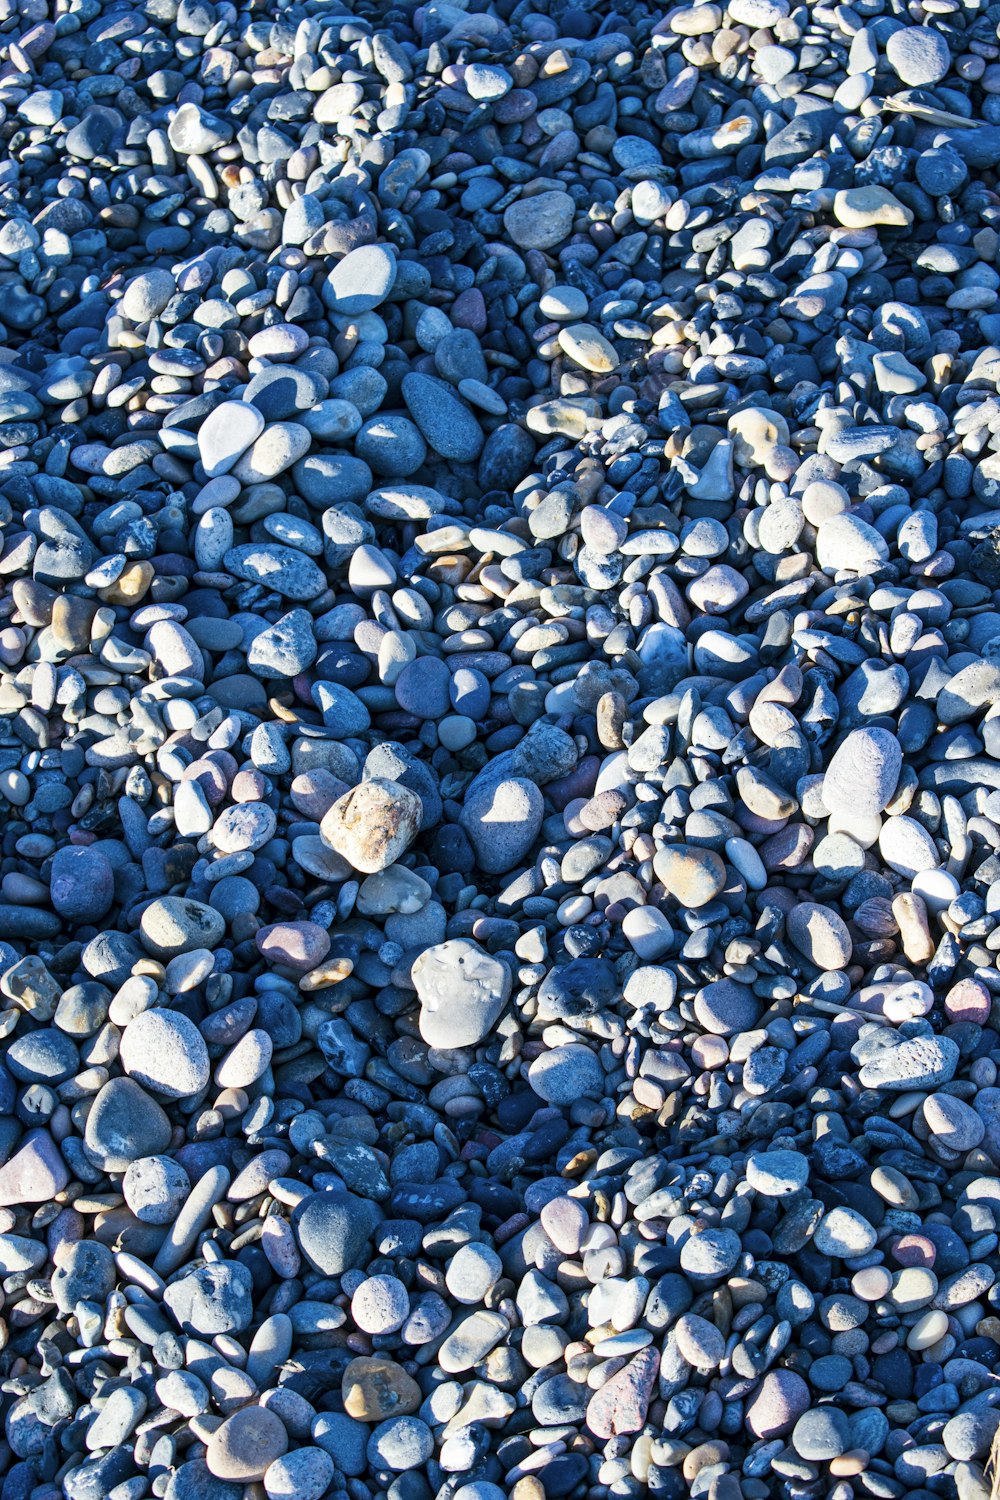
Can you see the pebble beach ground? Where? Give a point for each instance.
(500, 838)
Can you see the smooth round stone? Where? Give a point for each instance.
(225, 435)
(472, 1272)
(952, 1122)
(361, 281)
(873, 1284)
(214, 536)
(868, 206)
(469, 692)
(969, 1435)
(400, 1444)
(422, 688)
(155, 1188)
(650, 202)
(913, 1288)
(243, 1064)
(43, 1056)
(726, 1007)
(847, 544)
(147, 295)
(246, 1444)
(940, 172)
(541, 221)
(299, 945)
(380, 1305)
(396, 889)
(448, 425)
(907, 847)
(276, 450)
(123, 1125)
(456, 732)
(718, 591)
(821, 1434)
(968, 1000)
(928, 1330)
(648, 931)
(304, 1474)
(35, 1173)
(819, 933)
(844, 1234)
(863, 772)
(82, 885)
(567, 1073)
(563, 302)
(341, 708)
(711, 1255)
(586, 346)
(694, 877)
(486, 82)
(333, 1229)
(392, 445)
(918, 55)
(164, 1051)
(777, 1173)
(176, 924)
(343, 1438)
(502, 820)
(462, 992)
(777, 1404)
(700, 1342)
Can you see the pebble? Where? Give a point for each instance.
(918, 55)
(164, 1051)
(373, 824)
(332, 1229)
(244, 1447)
(502, 821)
(462, 992)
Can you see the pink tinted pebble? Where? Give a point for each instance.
(914, 1250)
(968, 1000)
(469, 310)
(300, 945)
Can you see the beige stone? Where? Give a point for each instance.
(374, 1389)
(862, 207)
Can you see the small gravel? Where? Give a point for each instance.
(499, 658)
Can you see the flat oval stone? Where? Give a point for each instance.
(586, 346)
(819, 933)
(246, 1444)
(226, 433)
(164, 1051)
(692, 876)
(863, 772)
(361, 281)
(176, 924)
(447, 423)
(541, 221)
(502, 820)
